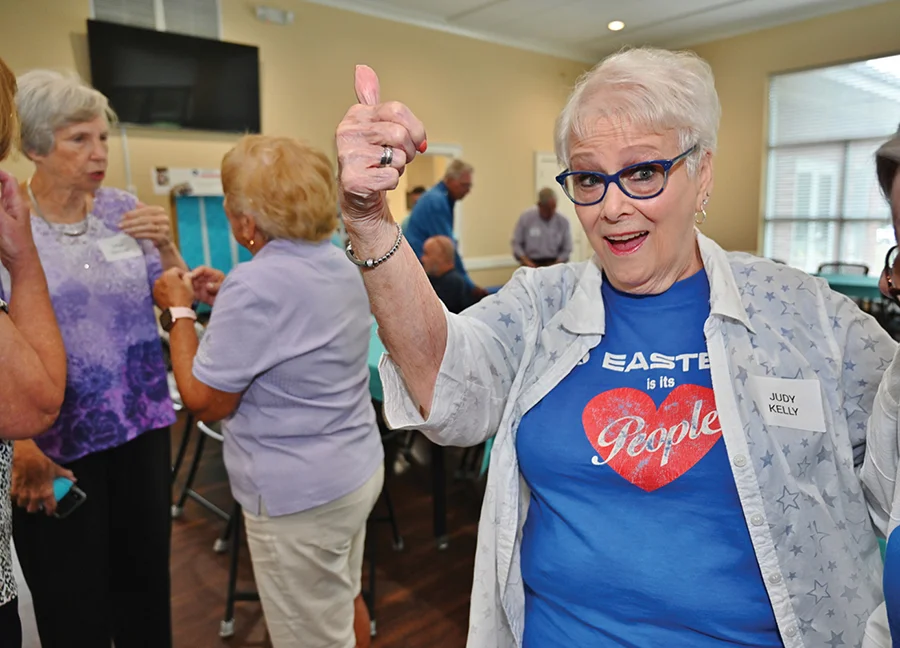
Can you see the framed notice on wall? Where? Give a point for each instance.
(201, 182)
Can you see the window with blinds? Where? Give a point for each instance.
(822, 198)
(192, 17)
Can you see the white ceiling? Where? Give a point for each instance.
(576, 29)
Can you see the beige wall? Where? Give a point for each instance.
(497, 103)
(742, 66)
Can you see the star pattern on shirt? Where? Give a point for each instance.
(851, 593)
(819, 592)
(802, 332)
(817, 536)
(788, 500)
(806, 625)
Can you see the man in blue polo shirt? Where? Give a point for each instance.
(433, 213)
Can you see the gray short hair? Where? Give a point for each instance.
(457, 168)
(49, 100)
(655, 88)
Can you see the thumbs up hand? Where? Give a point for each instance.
(375, 141)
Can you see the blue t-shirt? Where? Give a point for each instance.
(892, 584)
(635, 534)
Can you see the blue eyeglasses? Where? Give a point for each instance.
(640, 181)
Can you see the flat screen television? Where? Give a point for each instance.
(169, 80)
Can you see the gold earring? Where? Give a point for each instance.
(702, 217)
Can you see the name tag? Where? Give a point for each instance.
(790, 403)
(534, 231)
(119, 247)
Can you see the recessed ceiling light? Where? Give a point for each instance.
(616, 25)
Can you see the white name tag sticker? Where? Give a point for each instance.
(534, 231)
(119, 247)
(790, 403)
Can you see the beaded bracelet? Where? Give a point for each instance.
(371, 263)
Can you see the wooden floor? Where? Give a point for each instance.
(423, 593)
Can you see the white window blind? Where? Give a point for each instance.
(192, 17)
(822, 198)
(138, 13)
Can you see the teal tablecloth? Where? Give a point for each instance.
(855, 286)
(376, 348)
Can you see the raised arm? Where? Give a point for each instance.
(410, 316)
(31, 347)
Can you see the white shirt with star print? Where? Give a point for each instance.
(812, 500)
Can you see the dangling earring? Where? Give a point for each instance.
(700, 217)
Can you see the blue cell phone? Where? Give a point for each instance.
(68, 497)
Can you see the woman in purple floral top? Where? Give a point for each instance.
(100, 575)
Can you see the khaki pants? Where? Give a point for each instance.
(308, 568)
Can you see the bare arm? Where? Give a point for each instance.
(152, 223)
(170, 257)
(174, 288)
(31, 347)
(410, 316)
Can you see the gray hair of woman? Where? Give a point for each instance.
(48, 100)
(887, 163)
(657, 89)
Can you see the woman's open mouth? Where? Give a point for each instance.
(627, 243)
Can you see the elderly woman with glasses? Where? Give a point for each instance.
(678, 428)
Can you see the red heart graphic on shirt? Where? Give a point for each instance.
(652, 447)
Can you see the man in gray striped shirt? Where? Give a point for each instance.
(542, 236)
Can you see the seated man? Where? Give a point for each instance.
(542, 236)
(438, 260)
(432, 214)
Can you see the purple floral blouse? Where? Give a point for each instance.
(116, 387)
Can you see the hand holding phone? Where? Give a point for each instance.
(68, 497)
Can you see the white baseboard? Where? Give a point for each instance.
(490, 262)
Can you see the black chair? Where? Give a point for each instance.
(230, 537)
(843, 267)
(390, 517)
(187, 490)
(233, 594)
